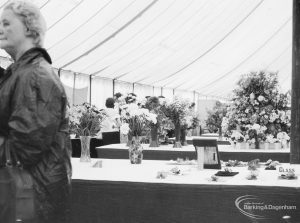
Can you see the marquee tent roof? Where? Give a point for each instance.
(194, 45)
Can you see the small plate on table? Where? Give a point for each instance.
(226, 173)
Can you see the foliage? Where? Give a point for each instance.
(177, 110)
(215, 116)
(154, 105)
(85, 119)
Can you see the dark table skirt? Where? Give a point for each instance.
(110, 153)
(76, 147)
(133, 202)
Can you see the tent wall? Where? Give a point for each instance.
(101, 89)
(123, 87)
(185, 94)
(81, 88)
(168, 93)
(157, 91)
(143, 90)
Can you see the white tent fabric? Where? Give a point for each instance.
(200, 46)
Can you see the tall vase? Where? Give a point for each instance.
(256, 143)
(85, 148)
(129, 139)
(177, 143)
(135, 151)
(154, 136)
(220, 134)
(183, 137)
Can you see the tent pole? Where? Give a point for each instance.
(194, 97)
(73, 95)
(113, 82)
(295, 114)
(90, 89)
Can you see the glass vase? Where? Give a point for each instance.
(129, 139)
(85, 149)
(177, 143)
(154, 136)
(256, 144)
(183, 137)
(135, 151)
(220, 138)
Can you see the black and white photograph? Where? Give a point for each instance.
(149, 111)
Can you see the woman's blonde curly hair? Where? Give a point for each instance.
(32, 18)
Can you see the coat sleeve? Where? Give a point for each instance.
(36, 112)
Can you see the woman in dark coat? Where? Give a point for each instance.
(33, 118)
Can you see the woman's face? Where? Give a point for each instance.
(12, 31)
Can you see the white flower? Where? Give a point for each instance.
(286, 136)
(236, 135)
(263, 128)
(252, 96)
(283, 136)
(256, 126)
(273, 116)
(262, 112)
(260, 98)
(270, 139)
(279, 135)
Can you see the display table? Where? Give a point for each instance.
(122, 192)
(189, 139)
(167, 152)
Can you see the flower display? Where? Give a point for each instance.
(154, 105)
(191, 120)
(131, 98)
(237, 137)
(258, 109)
(177, 110)
(135, 120)
(214, 120)
(85, 119)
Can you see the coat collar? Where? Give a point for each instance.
(26, 58)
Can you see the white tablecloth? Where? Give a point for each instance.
(122, 170)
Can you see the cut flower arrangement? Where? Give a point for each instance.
(85, 119)
(163, 124)
(180, 112)
(154, 105)
(258, 109)
(135, 120)
(177, 111)
(214, 120)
